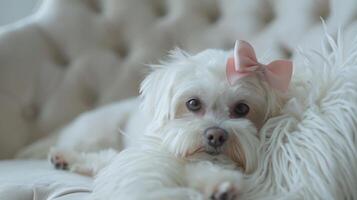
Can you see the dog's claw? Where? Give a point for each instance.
(224, 191)
(59, 162)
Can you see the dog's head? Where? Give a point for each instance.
(195, 110)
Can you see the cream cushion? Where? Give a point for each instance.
(36, 180)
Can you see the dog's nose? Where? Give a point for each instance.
(215, 136)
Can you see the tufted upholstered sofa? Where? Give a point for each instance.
(75, 55)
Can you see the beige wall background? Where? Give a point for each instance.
(13, 10)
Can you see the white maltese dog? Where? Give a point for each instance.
(205, 113)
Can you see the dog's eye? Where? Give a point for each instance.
(240, 110)
(194, 105)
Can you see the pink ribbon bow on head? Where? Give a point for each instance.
(244, 63)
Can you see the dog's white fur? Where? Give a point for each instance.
(171, 160)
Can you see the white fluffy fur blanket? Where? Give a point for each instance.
(310, 151)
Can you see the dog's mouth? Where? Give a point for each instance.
(208, 150)
(204, 149)
(213, 151)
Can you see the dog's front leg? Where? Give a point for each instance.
(143, 174)
(215, 182)
(88, 164)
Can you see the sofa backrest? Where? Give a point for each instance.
(75, 55)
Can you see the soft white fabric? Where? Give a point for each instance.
(36, 180)
(74, 55)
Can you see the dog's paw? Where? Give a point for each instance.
(224, 191)
(69, 160)
(59, 159)
(59, 162)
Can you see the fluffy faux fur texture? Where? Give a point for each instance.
(309, 152)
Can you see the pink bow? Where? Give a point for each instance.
(244, 63)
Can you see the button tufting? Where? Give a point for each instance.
(90, 98)
(59, 58)
(324, 11)
(94, 5)
(286, 51)
(58, 55)
(268, 15)
(122, 50)
(214, 15)
(160, 9)
(30, 112)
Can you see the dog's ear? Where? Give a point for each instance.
(157, 88)
(156, 93)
